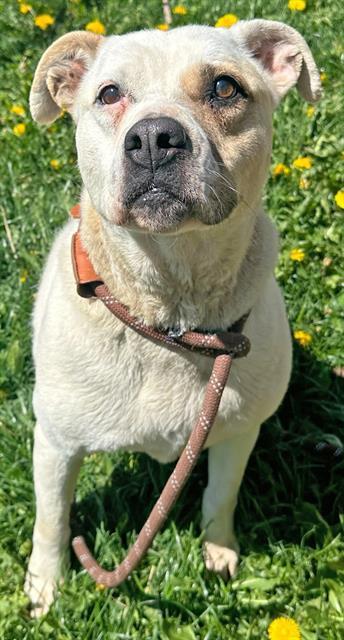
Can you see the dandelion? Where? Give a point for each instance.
(55, 164)
(323, 76)
(44, 21)
(23, 276)
(100, 587)
(227, 20)
(297, 5)
(19, 129)
(284, 629)
(18, 110)
(304, 183)
(339, 198)
(310, 111)
(162, 27)
(297, 255)
(303, 162)
(96, 27)
(279, 169)
(24, 8)
(179, 10)
(304, 339)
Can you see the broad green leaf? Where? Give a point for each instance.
(176, 632)
(258, 584)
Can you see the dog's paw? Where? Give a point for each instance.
(222, 560)
(41, 592)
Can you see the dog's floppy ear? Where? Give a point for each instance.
(59, 72)
(284, 54)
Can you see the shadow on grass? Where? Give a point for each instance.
(291, 491)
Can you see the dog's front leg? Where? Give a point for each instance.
(55, 475)
(226, 465)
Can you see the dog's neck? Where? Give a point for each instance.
(199, 278)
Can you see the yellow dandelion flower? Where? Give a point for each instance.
(279, 169)
(323, 76)
(227, 20)
(297, 5)
(19, 129)
(55, 164)
(100, 587)
(23, 276)
(162, 27)
(96, 27)
(44, 20)
(18, 110)
(304, 183)
(284, 629)
(310, 111)
(24, 8)
(179, 10)
(304, 162)
(304, 339)
(297, 255)
(339, 198)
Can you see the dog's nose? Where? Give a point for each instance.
(155, 141)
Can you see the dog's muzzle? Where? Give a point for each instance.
(158, 154)
(163, 186)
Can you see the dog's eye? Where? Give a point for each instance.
(225, 87)
(109, 94)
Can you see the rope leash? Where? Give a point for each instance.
(224, 346)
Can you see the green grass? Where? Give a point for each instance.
(289, 518)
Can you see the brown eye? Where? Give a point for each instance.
(225, 87)
(109, 94)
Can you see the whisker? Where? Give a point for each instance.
(228, 184)
(213, 190)
(224, 179)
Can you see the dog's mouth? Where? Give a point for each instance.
(157, 207)
(153, 195)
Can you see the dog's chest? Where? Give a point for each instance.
(126, 393)
(149, 397)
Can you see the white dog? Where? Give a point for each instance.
(173, 133)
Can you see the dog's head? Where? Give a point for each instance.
(173, 128)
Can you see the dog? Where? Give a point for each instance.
(173, 136)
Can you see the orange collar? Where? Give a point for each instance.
(84, 272)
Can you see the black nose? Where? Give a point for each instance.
(155, 141)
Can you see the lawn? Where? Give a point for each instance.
(289, 517)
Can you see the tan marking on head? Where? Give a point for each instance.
(199, 78)
(239, 131)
